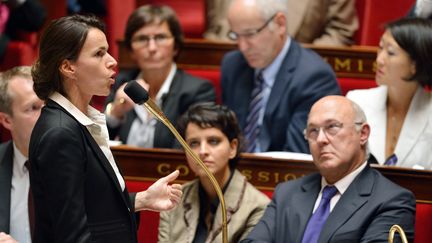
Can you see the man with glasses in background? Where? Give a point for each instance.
(154, 37)
(271, 81)
(347, 201)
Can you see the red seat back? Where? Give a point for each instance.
(374, 14)
(347, 84)
(213, 75)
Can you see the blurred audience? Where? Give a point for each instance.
(346, 200)
(213, 133)
(271, 81)
(421, 9)
(19, 110)
(154, 38)
(318, 22)
(19, 15)
(400, 109)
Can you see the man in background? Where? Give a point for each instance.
(19, 110)
(271, 81)
(347, 201)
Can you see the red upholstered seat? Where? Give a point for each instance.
(347, 84)
(18, 53)
(191, 14)
(374, 14)
(213, 75)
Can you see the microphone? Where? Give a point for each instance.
(140, 96)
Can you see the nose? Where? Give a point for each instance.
(322, 137)
(203, 149)
(112, 63)
(380, 58)
(152, 44)
(242, 43)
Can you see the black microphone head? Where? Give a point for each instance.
(136, 92)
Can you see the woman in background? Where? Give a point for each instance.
(213, 133)
(79, 193)
(399, 111)
(154, 38)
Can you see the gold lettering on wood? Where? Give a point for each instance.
(345, 64)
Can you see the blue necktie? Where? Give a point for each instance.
(392, 160)
(255, 106)
(316, 222)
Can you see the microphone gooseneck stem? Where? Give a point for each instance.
(154, 109)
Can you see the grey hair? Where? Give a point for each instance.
(360, 116)
(6, 98)
(268, 8)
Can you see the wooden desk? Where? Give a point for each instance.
(263, 172)
(350, 62)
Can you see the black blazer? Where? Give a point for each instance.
(76, 194)
(185, 90)
(6, 165)
(364, 213)
(302, 79)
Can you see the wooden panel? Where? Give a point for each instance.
(355, 61)
(263, 172)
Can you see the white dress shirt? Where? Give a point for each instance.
(19, 218)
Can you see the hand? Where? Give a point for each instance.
(5, 238)
(160, 196)
(122, 103)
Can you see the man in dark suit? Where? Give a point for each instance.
(364, 204)
(293, 77)
(19, 110)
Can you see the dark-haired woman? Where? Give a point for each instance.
(79, 193)
(213, 133)
(399, 111)
(154, 38)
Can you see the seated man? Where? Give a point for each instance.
(347, 201)
(19, 110)
(271, 82)
(319, 22)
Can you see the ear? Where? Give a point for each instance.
(233, 148)
(280, 21)
(364, 134)
(67, 69)
(6, 121)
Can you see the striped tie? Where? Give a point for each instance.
(256, 105)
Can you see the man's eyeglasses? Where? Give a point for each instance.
(330, 130)
(144, 40)
(234, 36)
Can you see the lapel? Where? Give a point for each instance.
(352, 200)
(6, 163)
(101, 158)
(279, 89)
(233, 197)
(191, 209)
(415, 123)
(169, 107)
(245, 82)
(299, 213)
(376, 114)
(296, 15)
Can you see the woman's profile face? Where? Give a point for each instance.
(393, 63)
(213, 148)
(153, 47)
(94, 68)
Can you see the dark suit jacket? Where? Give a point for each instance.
(302, 79)
(184, 91)
(76, 193)
(364, 213)
(6, 165)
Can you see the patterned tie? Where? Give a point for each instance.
(392, 160)
(30, 204)
(256, 105)
(316, 222)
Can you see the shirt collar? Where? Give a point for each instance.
(73, 110)
(343, 184)
(270, 72)
(166, 84)
(19, 159)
